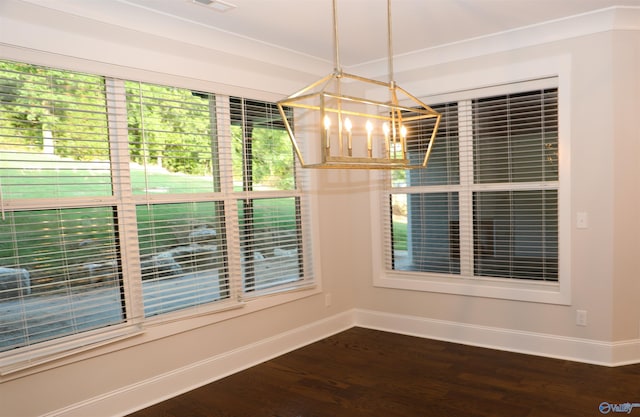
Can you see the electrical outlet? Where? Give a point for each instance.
(582, 220)
(581, 317)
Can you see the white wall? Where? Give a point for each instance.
(602, 86)
(605, 134)
(626, 190)
(172, 357)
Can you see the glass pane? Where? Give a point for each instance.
(516, 138)
(53, 133)
(59, 274)
(270, 242)
(262, 152)
(515, 234)
(183, 255)
(443, 165)
(426, 234)
(171, 140)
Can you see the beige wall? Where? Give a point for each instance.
(605, 135)
(603, 179)
(34, 34)
(626, 187)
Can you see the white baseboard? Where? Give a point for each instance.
(540, 344)
(134, 397)
(625, 353)
(128, 399)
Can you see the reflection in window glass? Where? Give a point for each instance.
(59, 274)
(270, 241)
(183, 255)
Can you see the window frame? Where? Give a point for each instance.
(466, 284)
(67, 348)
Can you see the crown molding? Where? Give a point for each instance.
(36, 33)
(603, 20)
(205, 53)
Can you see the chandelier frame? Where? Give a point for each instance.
(336, 149)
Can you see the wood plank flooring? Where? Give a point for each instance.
(368, 373)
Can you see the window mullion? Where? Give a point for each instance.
(125, 204)
(465, 132)
(223, 128)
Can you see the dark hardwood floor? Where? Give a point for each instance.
(367, 373)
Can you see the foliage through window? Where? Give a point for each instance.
(124, 200)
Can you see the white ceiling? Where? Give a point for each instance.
(305, 26)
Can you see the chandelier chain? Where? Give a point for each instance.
(336, 46)
(390, 43)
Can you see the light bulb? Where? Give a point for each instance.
(403, 132)
(385, 128)
(327, 122)
(369, 128)
(347, 124)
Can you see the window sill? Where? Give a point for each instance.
(507, 289)
(51, 351)
(57, 353)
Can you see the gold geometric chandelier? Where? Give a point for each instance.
(331, 125)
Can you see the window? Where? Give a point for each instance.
(515, 174)
(269, 212)
(59, 247)
(175, 182)
(123, 201)
(486, 206)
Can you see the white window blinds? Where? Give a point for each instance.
(125, 200)
(515, 143)
(487, 204)
(515, 138)
(425, 215)
(60, 271)
(270, 205)
(172, 140)
(175, 176)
